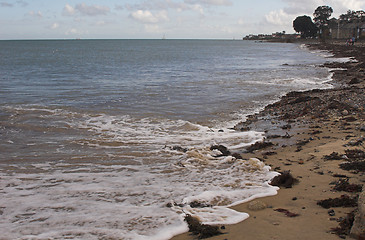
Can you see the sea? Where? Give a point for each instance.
(111, 139)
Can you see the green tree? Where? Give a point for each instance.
(352, 16)
(321, 16)
(305, 26)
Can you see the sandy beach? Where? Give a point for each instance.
(310, 134)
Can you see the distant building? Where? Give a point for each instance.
(347, 30)
(273, 36)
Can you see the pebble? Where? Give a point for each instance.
(257, 205)
(331, 212)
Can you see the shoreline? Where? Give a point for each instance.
(306, 130)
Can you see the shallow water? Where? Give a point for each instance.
(88, 130)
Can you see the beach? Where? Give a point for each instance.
(152, 130)
(310, 134)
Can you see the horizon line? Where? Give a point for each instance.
(78, 39)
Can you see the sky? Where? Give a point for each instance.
(153, 19)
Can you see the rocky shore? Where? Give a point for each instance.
(316, 138)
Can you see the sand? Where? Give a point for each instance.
(320, 122)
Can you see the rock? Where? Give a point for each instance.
(349, 119)
(331, 212)
(257, 205)
(358, 227)
(284, 180)
(285, 127)
(237, 156)
(196, 204)
(224, 150)
(179, 149)
(355, 81)
(345, 112)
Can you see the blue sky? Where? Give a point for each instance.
(127, 19)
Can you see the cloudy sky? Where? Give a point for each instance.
(121, 19)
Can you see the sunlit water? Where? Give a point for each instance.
(89, 129)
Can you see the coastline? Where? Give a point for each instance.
(307, 130)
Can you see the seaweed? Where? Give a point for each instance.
(333, 156)
(344, 185)
(358, 166)
(287, 212)
(258, 146)
(355, 154)
(285, 179)
(343, 201)
(196, 204)
(202, 230)
(345, 225)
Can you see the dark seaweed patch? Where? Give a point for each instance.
(199, 229)
(343, 201)
(284, 180)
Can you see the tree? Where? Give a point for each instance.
(305, 26)
(352, 16)
(321, 16)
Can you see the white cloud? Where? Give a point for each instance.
(68, 10)
(92, 10)
(72, 31)
(119, 7)
(282, 19)
(278, 17)
(5, 4)
(186, 5)
(100, 23)
(210, 2)
(22, 3)
(146, 16)
(152, 28)
(300, 7)
(198, 8)
(55, 26)
(241, 21)
(75, 31)
(84, 9)
(157, 5)
(36, 14)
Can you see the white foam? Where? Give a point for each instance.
(162, 132)
(92, 201)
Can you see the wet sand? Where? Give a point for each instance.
(309, 131)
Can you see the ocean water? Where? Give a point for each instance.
(89, 129)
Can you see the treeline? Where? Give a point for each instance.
(318, 27)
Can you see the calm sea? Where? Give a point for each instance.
(89, 129)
